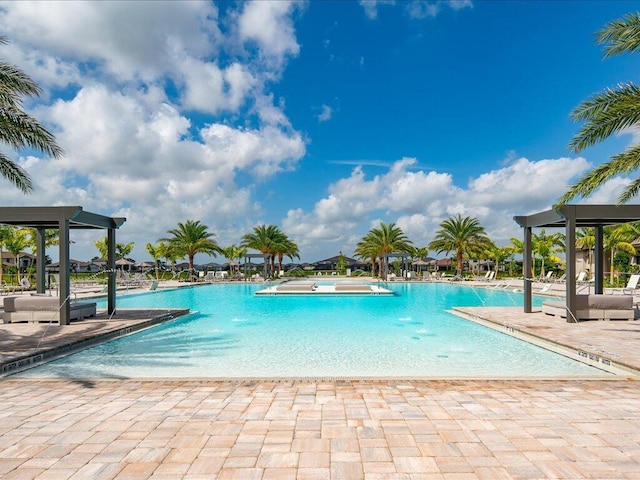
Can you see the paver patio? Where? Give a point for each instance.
(338, 429)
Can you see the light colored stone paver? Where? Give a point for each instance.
(447, 429)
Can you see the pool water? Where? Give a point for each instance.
(235, 334)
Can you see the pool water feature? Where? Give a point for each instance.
(235, 334)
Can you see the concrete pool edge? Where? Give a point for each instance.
(43, 354)
(582, 355)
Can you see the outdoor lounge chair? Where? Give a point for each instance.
(632, 284)
(600, 307)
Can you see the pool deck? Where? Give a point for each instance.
(404, 429)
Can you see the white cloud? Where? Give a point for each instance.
(418, 201)
(416, 9)
(371, 7)
(269, 24)
(128, 40)
(325, 114)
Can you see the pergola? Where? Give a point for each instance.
(385, 264)
(247, 261)
(65, 219)
(571, 217)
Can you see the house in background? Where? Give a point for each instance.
(25, 260)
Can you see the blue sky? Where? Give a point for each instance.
(323, 118)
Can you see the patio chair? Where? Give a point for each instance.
(630, 289)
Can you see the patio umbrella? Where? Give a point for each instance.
(122, 262)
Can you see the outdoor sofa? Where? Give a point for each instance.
(36, 308)
(600, 307)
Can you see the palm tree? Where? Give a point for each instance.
(547, 245)
(5, 232)
(190, 238)
(381, 240)
(464, 236)
(15, 242)
(269, 240)
(586, 238)
(367, 250)
(157, 252)
(517, 247)
(51, 238)
(608, 113)
(498, 255)
(618, 239)
(122, 249)
(286, 248)
(232, 252)
(20, 130)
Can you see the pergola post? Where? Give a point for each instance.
(111, 269)
(570, 242)
(65, 284)
(40, 260)
(599, 259)
(527, 265)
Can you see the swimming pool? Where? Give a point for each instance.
(235, 334)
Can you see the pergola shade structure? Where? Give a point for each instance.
(571, 217)
(65, 219)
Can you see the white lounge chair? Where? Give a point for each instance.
(632, 284)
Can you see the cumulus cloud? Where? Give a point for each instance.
(132, 74)
(270, 26)
(418, 200)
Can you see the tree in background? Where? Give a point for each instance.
(546, 246)
(18, 129)
(462, 235)
(271, 241)
(16, 240)
(157, 252)
(191, 238)
(618, 239)
(608, 113)
(233, 252)
(381, 240)
(122, 249)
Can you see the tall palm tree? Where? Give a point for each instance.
(268, 240)
(16, 241)
(122, 249)
(499, 255)
(5, 232)
(17, 128)
(618, 239)
(609, 112)
(286, 248)
(191, 238)
(546, 246)
(233, 252)
(517, 247)
(381, 240)
(586, 238)
(157, 252)
(462, 235)
(366, 250)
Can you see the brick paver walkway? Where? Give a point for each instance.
(62, 429)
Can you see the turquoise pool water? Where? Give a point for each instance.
(237, 334)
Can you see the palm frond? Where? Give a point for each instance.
(625, 162)
(16, 175)
(621, 35)
(19, 129)
(606, 112)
